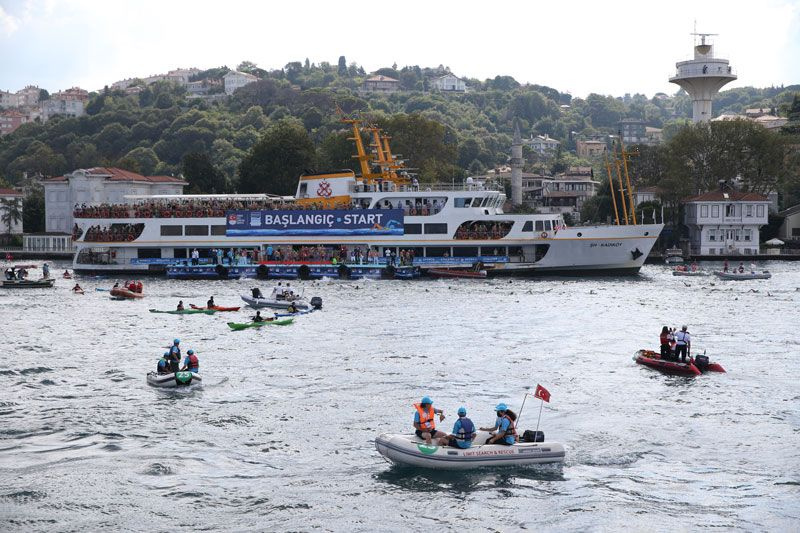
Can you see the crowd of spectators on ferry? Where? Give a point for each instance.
(216, 207)
(113, 233)
(483, 231)
(300, 254)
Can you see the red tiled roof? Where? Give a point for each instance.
(118, 174)
(165, 179)
(57, 178)
(732, 196)
(10, 192)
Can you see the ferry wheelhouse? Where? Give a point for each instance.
(383, 218)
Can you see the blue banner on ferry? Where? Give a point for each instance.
(317, 222)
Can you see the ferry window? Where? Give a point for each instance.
(171, 231)
(303, 190)
(485, 202)
(436, 228)
(196, 230)
(412, 229)
(437, 251)
(465, 251)
(539, 225)
(704, 211)
(461, 202)
(148, 253)
(528, 226)
(218, 230)
(547, 225)
(714, 211)
(180, 253)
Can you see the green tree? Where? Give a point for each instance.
(202, 176)
(427, 144)
(275, 162)
(342, 70)
(12, 212)
(33, 211)
(336, 152)
(145, 158)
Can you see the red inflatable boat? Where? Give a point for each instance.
(694, 367)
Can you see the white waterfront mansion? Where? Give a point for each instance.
(726, 222)
(96, 186)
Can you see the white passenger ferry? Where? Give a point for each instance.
(384, 213)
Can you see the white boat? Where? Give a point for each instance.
(383, 211)
(673, 256)
(765, 274)
(172, 380)
(275, 303)
(410, 450)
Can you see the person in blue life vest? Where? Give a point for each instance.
(175, 355)
(163, 364)
(504, 429)
(463, 432)
(191, 363)
(424, 423)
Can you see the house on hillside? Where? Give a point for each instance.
(10, 121)
(234, 80)
(70, 103)
(95, 186)
(448, 83)
(590, 149)
(380, 84)
(567, 192)
(645, 194)
(633, 131)
(542, 144)
(725, 222)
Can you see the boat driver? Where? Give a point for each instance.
(424, 423)
(504, 429)
(683, 344)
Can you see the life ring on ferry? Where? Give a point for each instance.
(543, 235)
(130, 238)
(262, 272)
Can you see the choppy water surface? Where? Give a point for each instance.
(280, 436)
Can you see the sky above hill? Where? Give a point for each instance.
(611, 47)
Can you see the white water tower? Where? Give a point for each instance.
(702, 77)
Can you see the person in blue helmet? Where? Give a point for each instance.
(163, 364)
(175, 355)
(504, 429)
(191, 363)
(424, 423)
(463, 432)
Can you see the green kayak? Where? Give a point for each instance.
(186, 311)
(236, 327)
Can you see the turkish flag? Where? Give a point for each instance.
(542, 393)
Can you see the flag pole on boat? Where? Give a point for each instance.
(544, 395)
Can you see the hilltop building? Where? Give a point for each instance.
(725, 222)
(96, 186)
(10, 121)
(566, 193)
(380, 84)
(69, 103)
(234, 80)
(448, 83)
(542, 144)
(591, 148)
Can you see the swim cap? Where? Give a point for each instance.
(427, 399)
(176, 341)
(190, 352)
(462, 411)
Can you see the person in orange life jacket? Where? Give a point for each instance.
(175, 355)
(191, 363)
(505, 430)
(463, 432)
(664, 340)
(424, 422)
(163, 364)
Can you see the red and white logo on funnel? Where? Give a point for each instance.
(324, 189)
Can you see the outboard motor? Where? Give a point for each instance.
(533, 436)
(701, 362)
(316, 302)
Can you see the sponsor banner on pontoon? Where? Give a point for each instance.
(320, 222)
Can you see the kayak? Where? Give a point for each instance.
(119, 292)
(694, 367)
(743, 276)
(27, 283)
(410, 450)
(186, 311)
(216, 308)
(237, 327)
(178, 379)
(295, 314)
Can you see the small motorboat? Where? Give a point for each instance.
(740, 276)
(122, 293)
(185, 311)
(279, 300)
(694, 367)
(673, 256)
(27, 283)
(216, 308)
(456, 273)
(267, 322)
(172, 380)
(410, 450)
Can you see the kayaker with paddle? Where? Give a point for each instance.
(504, 429)
(463, 432)
(180, 306)
(258, 317)
(292, 308)
(210, 303)
(683, 344)
(424, 422)
(77, 288)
